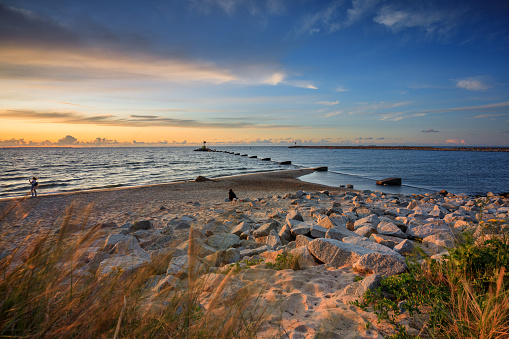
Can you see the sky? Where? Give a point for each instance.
(267, 72)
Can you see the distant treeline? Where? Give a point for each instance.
(418, 148)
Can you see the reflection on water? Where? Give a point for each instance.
(68, 169)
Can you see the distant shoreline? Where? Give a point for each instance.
(415, 148)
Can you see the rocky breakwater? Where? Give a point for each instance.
(332, 237)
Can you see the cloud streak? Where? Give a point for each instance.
(134, 120)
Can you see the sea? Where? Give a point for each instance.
(60, 169)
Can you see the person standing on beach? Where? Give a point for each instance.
(231, 195)
(34, 184)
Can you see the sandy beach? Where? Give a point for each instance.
(336, 234)
(125, 204)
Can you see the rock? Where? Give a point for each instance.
(124, 264)
(183, 225)
(388, 228)
(365, 231)
(338, 233)
(254, 251)
(301, 228)
(142, 225)
(370, 245)
(334, 252)
(325, 222)
(389, 182)
(304, 257)
(223, 257)
(273, 240)
(201, 248)
(380, 263)
(285, 233)
(405, 247)
(241, 228)
(294, 215)
(202, 179)
(265, 229)
(386, 240)
(222, 240)
(439, 242)
(363, 212)
(127, 245)
(112, 240)
(169, 282)
(372, 220)
(318, 231)
(423, 231)
(349, 186)
(359, 288)
(302, 240)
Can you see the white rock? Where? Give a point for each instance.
(389, 228)
(335, 252)
(380, 263)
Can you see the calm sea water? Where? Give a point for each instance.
(71, 169)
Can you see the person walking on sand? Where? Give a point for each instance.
(231, 195)
(34, 184)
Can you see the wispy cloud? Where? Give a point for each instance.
(68, 103)
(341, 89)
(331, 114)
(134, 120)
(489, 116)
(328, 103)
(473, 83)
(428, 17)
(429, 131)
(323, 20)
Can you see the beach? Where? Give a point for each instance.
(335, 234)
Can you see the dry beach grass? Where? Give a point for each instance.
(63, 274)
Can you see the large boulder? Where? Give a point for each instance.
(389, 228)
(339, 233)
(371, 220)
(438, 242)
(241, 228)
(127, 245)
(325, 222)
(273, 240)
(335, 252)
(301, 228)
(370, 245)
(386, 240)
(423, 231)
(304, 257)
(265, 229)
(365, 231)
(318, 231)
(142, 225)
(380, 263)
(223, 257)
(122, 264)
(294, 215)
(223, 240)
(405, 247)
(357, 289)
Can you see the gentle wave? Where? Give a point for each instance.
(93, 168)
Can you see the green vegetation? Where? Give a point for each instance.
(465, 295)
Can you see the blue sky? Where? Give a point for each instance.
(255, 72)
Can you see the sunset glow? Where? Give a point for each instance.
(254, 72)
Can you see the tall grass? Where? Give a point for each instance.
(46, 291)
